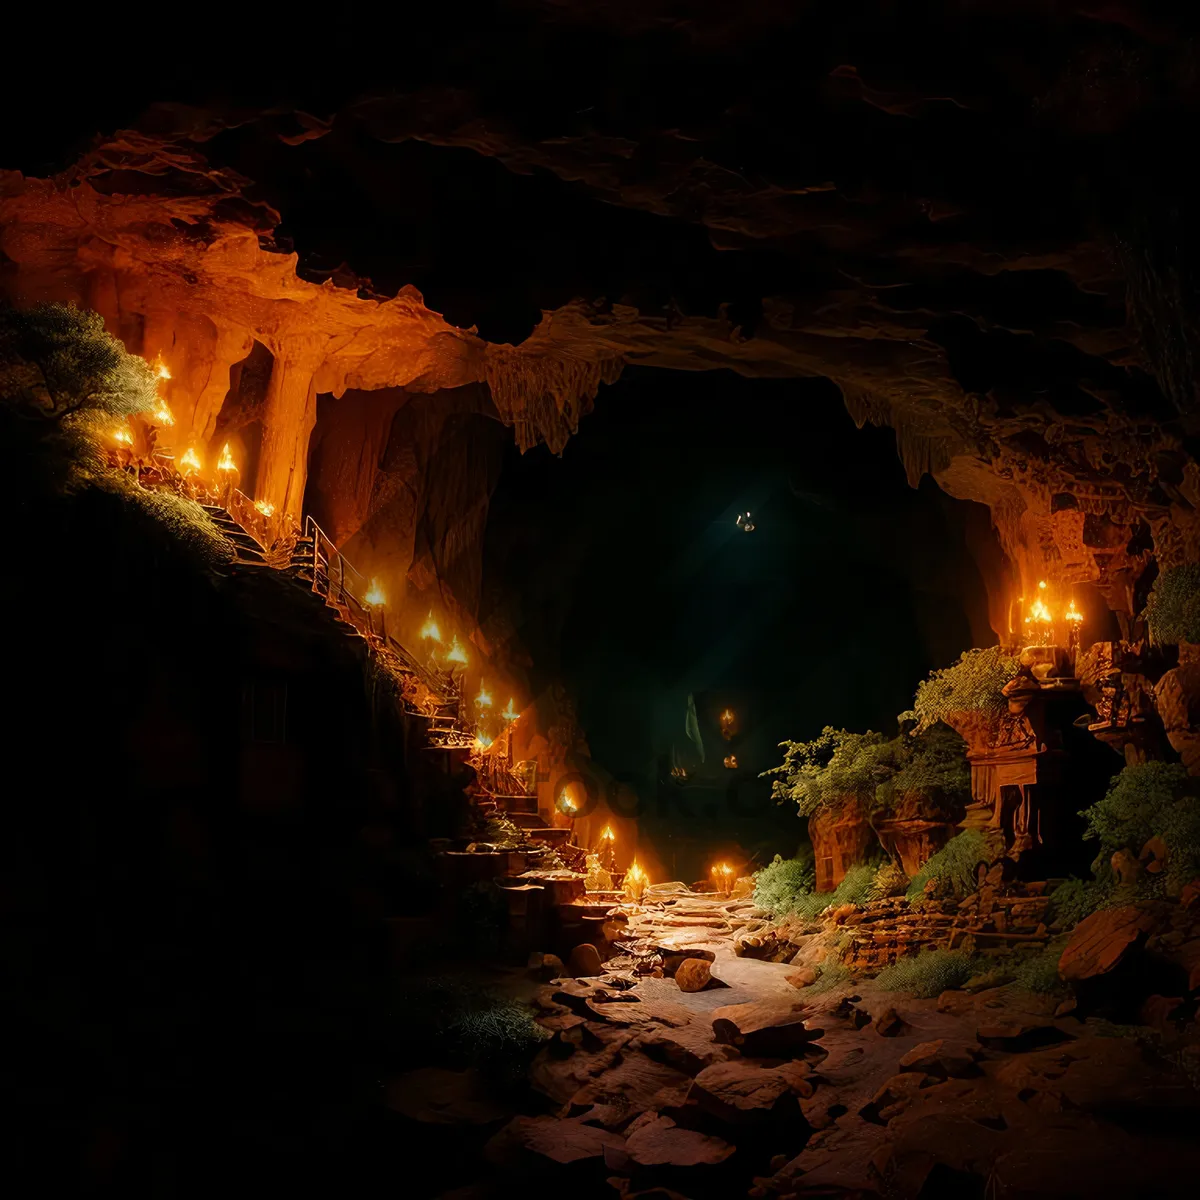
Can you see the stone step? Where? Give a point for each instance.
(554, 836)
(518, 804)
(527, 820)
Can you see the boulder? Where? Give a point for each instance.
(551, 1139)
(1101, 940)
(660, 1142)
(740, 1092)
(693, 975)
(770, 1028)
(545, 966)
(802, 978)
(584, 961)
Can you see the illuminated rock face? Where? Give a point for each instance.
(973, 253)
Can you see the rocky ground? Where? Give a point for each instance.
(764, 1083)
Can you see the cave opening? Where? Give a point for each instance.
(623, 571)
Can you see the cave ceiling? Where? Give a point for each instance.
(972, 217)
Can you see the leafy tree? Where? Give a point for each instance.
(58, 361)
(835, 765)
(931, 762)
(1173, 606)
(972, 684)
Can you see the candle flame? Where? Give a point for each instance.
(190, 459)
(1073, 614)
(608, 834)
(161, 370)
(430, 630)
(482, 741)
(635, 881)
(484, 699)
(375, 596)
(226, 462)
(510, 713)
(1039, 612)
(456, 654)
(163, 414)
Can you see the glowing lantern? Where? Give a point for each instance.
(226, 463)
(510, 713)
(190, 461)
(482, 741)
(122, 436)
(375, 596)
(430, 631)
(635, 882)
(265, 507)
(456, 654)
(484, 699)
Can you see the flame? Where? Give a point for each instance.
(163, 414)
(510, 713)
(1039, 612)
(608, 835)
(635, 881)
(484, 699)
(226, 462)
(456, 654)
(190, 459)
(566, 804)
(160, 369)
(430, 629)
(1073, 615)
(375, 596)
(122, 435)
(731, 761)
(265, 507)
(482, 741)
(1042, 585)
(727, 717)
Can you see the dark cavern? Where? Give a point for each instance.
(601, 601)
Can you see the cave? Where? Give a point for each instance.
(601, 598)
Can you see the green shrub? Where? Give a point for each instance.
(929, 973)
(953, 866)
(778, 887)
(890, 880)
(787, 890)
(1146, 800)
(973, 683)
(1075, 899)
(1173, 606)
(1038, 972)
(829, 976)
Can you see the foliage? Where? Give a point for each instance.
(1173, 606)
(465, 1023)
(1145, 800)
(953, 866)
(890, 880)
(973, 683)
(929, 973)
(1038, 972)
(1075, 899)
(829, 976)
(932, 762)
(779, 887)
(835, 765)
(59, 362)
